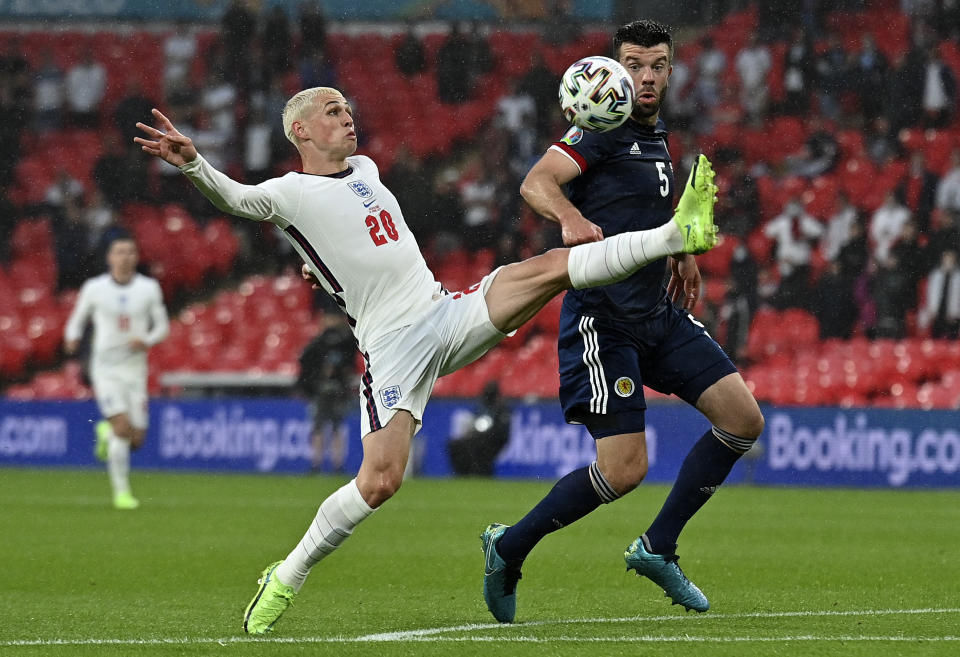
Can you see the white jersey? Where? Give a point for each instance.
(350, 231)
(120, 313)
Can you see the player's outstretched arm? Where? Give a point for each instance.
(167, 143)
(170, 145)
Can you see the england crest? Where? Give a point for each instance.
(360, 188)
(390, 396)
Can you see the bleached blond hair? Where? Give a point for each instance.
(299, 105)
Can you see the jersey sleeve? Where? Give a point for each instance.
(159, 322)
(256, 202)
(80, 315)
(584, 148)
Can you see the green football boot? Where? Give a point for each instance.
(694, 214)
(665, 573)
(499, 578)
(125, 502)
(272, 599)
(101, 446)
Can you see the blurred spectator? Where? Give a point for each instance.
(920, 187)
(941, 311)
(9, 217)
(48, 94)
(453, 73)
(739, 205)
(561, 26)
(818, 155)
(313, 27)
(64, 189)
(218, 101)
(99, 218)
(479, 55)
(411, 181)
(71, 238)
(939, 91)
(542, 85)
(276, 40)
(86, 84)
(910, 254)
(947, 196)
(410, 56)
(516, 115)
(798, 74)
(257, 146)
(445, 210)
(868, 73)
(711, 65)
(238, 28)
(893, 295)
(179, 50)
(834, 303)
(110, 173)
(881, 142)
(839, 228)
(133, 107)
(903, 100)
(316, 70)
(740, 301)
(753, 64)
(478, 195)
(887, 224)
(831, 67)
(855, 254)
(475, 451)
(328, 381)
(793, 230)
(681, 102)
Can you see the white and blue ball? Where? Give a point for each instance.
(596, 94)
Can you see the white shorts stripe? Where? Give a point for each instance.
(591, 358)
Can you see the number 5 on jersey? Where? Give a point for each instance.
(385, 224)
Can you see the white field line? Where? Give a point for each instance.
(434, 634)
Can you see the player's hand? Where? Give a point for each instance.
(167, 143)
(579, 231)
(138, 345)
(684, 286)
(70, 347)
(309, 277)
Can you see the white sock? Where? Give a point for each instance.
(334, 522)
(617, 257)
(118, 465)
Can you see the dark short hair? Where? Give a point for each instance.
(644, 33)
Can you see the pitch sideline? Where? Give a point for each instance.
(434, 634)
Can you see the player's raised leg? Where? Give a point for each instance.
(521, 289)
(385, 454)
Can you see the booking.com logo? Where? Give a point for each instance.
(859, 447)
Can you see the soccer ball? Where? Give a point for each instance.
(596, 94)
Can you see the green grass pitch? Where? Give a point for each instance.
(788, 571)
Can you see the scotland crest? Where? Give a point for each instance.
(360, 188)
(390, 396)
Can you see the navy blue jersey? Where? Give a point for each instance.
(626, 183)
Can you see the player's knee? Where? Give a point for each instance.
(137, 438)
(381, 487)
(752, 424)
(627, 474)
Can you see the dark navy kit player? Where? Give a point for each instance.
(620, 337)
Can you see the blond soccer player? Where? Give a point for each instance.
(356, 245)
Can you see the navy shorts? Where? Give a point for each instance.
(604, 364)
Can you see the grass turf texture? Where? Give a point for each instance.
(788, 571)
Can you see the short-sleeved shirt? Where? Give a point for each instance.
(626, 183)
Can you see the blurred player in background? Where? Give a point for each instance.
(351, 233)
(128, 318)
(327, 380)
(615, 339)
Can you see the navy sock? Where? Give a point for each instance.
(703, 470)
(570, 499)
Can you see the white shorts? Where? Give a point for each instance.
(403, 366)
(116, 395)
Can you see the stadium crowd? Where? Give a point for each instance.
(834, 131)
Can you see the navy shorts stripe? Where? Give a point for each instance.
(371, 409)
